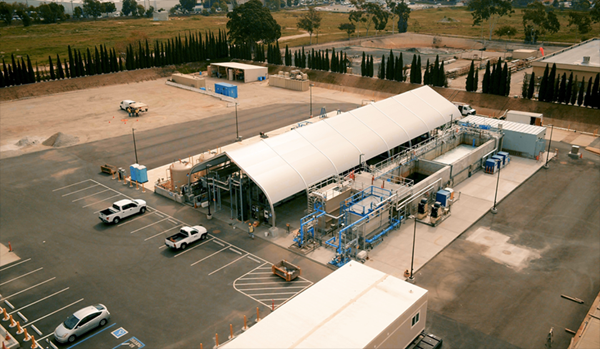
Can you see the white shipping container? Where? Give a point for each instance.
(524, 117)
(354, 307)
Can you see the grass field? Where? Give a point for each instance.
(39, 41)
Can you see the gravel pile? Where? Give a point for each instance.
(27, 141)
(61, 140)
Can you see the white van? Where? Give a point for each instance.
(125, 104)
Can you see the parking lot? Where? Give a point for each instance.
(157, 297)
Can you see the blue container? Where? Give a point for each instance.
(199, 73)
(442, 196)
(133, 170)
(499, 159)
(491, 166)
(142, 174)
(226, 89)
(505, 156)
(203, 88)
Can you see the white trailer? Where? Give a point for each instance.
(524, 117)
(356, 306)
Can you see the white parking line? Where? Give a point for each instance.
(163, 246)
(149, 225)
(191, 265)
(22, 316)
(14, 265)
(226, 265)
(9, 304)
(67, 186)
(18, 277)
(273, 299)
(282, 282)
(218, 243)
(269, 288)
(254, 259)
(90, 195)
(52, 313)
(36, 330)
(153, 236)
(77, 191)
(273, 277)
(161, 216)
(232, 250)
(263, 272)
(135, 219)
(97, 202)
(180, 253)
(27, 289)
(172, 221)
(46, 336)
(39, 300)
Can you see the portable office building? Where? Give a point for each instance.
(354, 307)
(519, 139)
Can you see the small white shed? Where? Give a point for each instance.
(238, 71)
(354, 307)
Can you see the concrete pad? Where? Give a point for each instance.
(501, 251)
(557, 135)
(7, 257)
(583, 140)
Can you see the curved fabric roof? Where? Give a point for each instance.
(289, 163)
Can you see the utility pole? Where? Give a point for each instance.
(494, 209)
(237, 132)
(311, 86)
(134, 146)
(411, 278)
(549, 144)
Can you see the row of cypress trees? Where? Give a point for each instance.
(274, 54)
(496, 79)
(435, 74)
(177, 50)
(366, 66)
(560, 89)
(472, 78)
(393, 68)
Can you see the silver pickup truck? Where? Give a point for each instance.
(122, 209)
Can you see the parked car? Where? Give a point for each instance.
(81, 322)
(186, 236)
(121, 210)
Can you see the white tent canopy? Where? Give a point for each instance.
(289, 163)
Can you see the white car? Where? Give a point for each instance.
(121, 210)
(81, 322)
(126, 103)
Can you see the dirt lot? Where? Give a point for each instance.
(93, 114)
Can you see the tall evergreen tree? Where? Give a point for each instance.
(381, 74)
(486, 78)
(389, 71)
(400, 68)
(574, 92)
(524, 88)
(568, 89)
(418, 74)
(476, 81)
(363, 64)
(556, 88)
(543, 93)
(562, 89)
(582, 91)
(30, 70)
(595, 102)
(531, 86)
(587, 101)
(413, 70)
(551, 92)
(426, 76)
(505, 81)
(52, 76)
(61, 73)
(470, 77)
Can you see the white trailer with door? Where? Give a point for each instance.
(354, 307)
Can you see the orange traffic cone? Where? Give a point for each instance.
(5, 318)
(19, 328)
(27, 336)
(4, 345)
(6, 338)
(33, 343)
(12, 322)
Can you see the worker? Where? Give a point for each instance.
(251, 230)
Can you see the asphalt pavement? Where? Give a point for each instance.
(499, 285)
(158, 297)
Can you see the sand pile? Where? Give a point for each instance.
(61, 140)
(27, 141)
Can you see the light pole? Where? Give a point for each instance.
(311, 86)
(134, 146)
(237, 132)
(411, 278)
(549, 144)
(494, 209)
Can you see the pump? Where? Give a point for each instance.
(422, 209)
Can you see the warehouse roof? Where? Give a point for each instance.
(574, 54)
(240, 66)
(506, 125)
(289, 163)
(347, 309)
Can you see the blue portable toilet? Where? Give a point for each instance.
(133, 170)
(142, 176)
(442, 196)
(226, 89)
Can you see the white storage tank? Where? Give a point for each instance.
(180, 171)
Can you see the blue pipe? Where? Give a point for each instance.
(394, 224)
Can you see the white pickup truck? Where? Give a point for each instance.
(133, 108)
(186, 236)
(465, 109)
(122, 209)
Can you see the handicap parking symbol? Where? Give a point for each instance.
(119, 332)
(131, 343)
